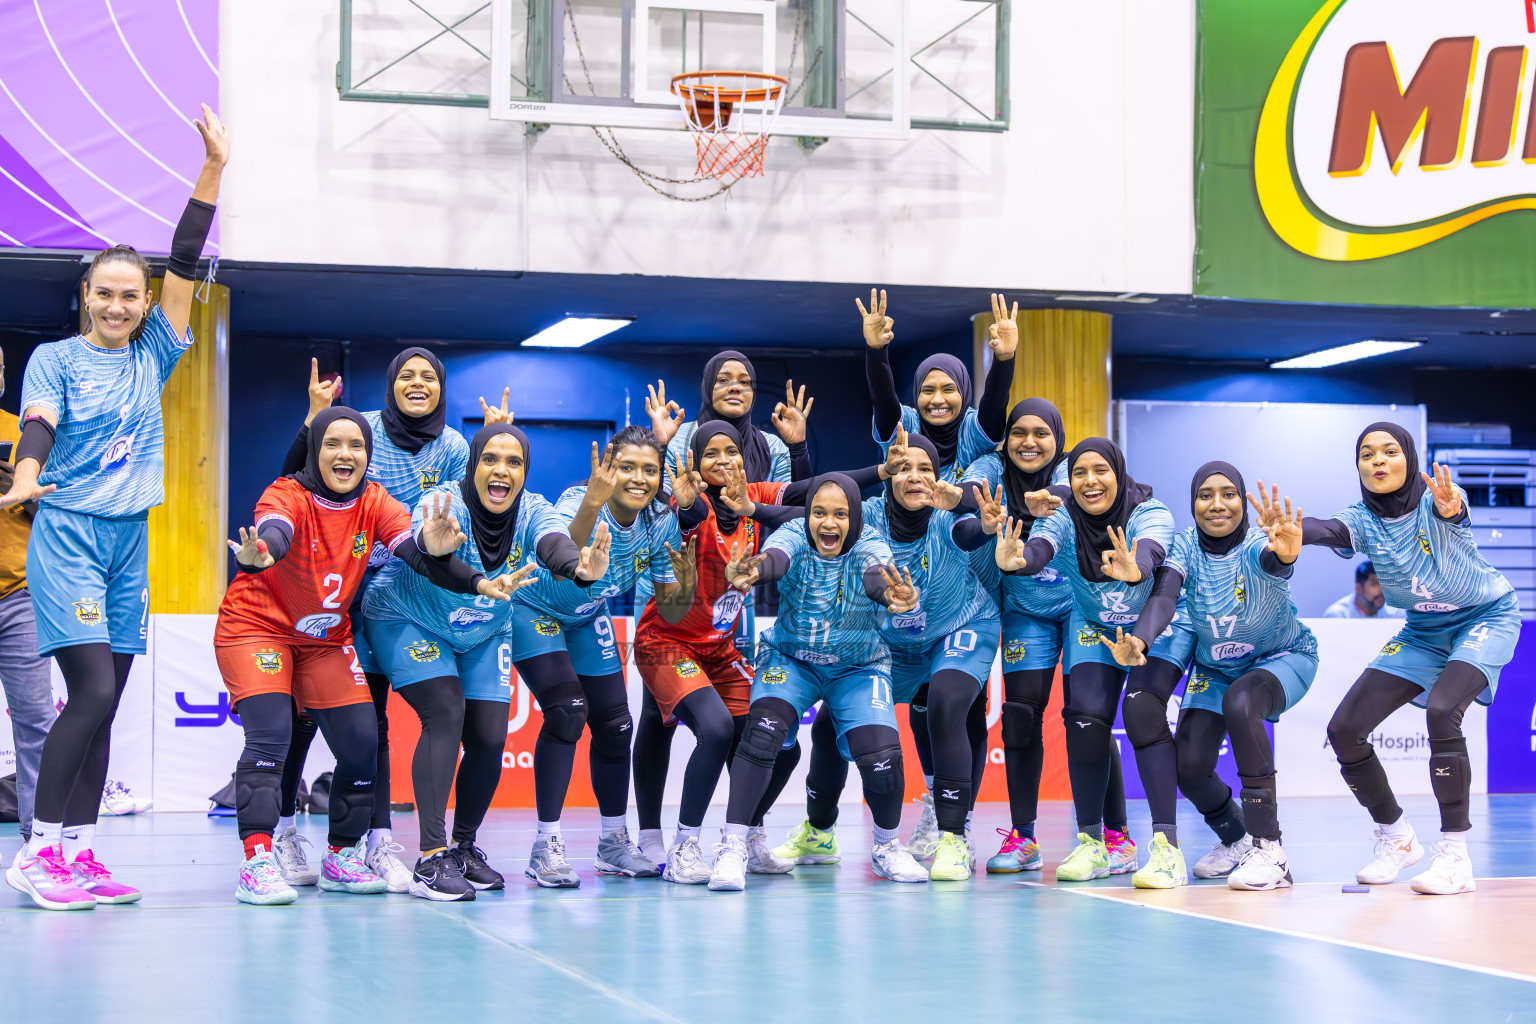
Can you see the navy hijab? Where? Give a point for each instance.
(725, 517)
(493, 531)
(855, 509)
(1219, 545)
(755, 455)
(1092, 531)
(309, 477)
(908, 524)
(946, 436)
(413, 433)
(1406, 498)
(1016, 482)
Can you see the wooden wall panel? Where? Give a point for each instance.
(1063, 356)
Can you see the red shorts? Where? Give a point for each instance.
(316, 675)
(671, 671)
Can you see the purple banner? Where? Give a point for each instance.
(97, 99)
(1512, 721)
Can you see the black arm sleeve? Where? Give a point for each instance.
(992, 412)
(968, 534)
(1149, 555)
(775, 516)
(298, 453)
(1272, 565)
(967, 504)
(1038, 553)
(874, 583)
(882, 390)
(799, 492)
(1328, 533)
(560, 555)
(1160, 607)
(454, 575)
(1459, 518)
(187, 242)
(774, 565)
(36, 442)
(278, 536)
(800, 461)
(693, 515)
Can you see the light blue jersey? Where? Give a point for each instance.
(776, 447)
(108, 455)
(464, 620)
(1046, 594)
(974, 442)
(825, 618)
(1110, 603)
(951, 597)
(638, 550)
(442, 460)
(1240, 613)
(1424, 563)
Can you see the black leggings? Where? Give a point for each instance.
(953, 704)
(485, 740)
(1026, 695)
(828, 773)
(1376, 695)
(571, 703)
(352, 734)
(1252, 698)
(714, 734)
(303, 732)
(73, 770)
(1089, 711)
(447, 720)
(1145, 711)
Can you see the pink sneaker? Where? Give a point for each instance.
(92, 876)
(1122, 851)
(47, 879)
(345, 870)
(1019, 853)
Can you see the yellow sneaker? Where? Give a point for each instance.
(952, 859)
(1165, 866)
(806, 844)
(1088, 859)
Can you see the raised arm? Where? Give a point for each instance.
(992, 412)
(1016, 557)
(196, 220)
(879, 329)
(1271, 509)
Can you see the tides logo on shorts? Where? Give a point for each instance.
(1088, 636)
(88, 611)
(1013, 652)
(1392, 647)
(687, 668)
(423, 650)
(775, 676)
(545, 626)
(270, 662)
(360, 544)
(429, 478)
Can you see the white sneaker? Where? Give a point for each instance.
(381, 860)
(290, 858)
(1264, 867)
(118, 799)
(1223, 859)
(894, 861)
(1390, 857)
(730, 872)
(653, 846)
(761, 860)
(925, 835)
(685, 863)
(1448, 874)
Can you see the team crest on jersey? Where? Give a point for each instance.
(1423, 543)
(1239, 592)
(429, 478)
(360, 544)
(775, 676)
(423, 650)
(1197, 684)
(642, 560)
(269, 662)
(924, 561)
(514, 557)
(545, 626)
(1013, 652)
(88, 611)
(118, 453)
(687, 668)
(1088, 636)
(1392, 647)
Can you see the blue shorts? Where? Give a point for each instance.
(89, 578)
(1208, 683)
(592, 645)
(1175, 644)
(360, 644)
(1483, 635)
(410, 654)
(854, 694)
(970, 650)
(1032, 642)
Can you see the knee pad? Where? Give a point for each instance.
(1346, 740)
(1089, 737)
(881, 769)
(1146, 718)
(765, 734)
(1021, 722)
(258, 791)
(610, 737)
(565, 713)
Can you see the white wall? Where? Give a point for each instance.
(1090, 190)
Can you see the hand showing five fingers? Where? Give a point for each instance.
(1267, 506)
(251, 550)
(1285, 534)
(879, 329)
(1120, 560)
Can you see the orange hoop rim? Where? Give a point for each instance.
(694, 91)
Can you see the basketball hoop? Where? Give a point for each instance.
(730, 114)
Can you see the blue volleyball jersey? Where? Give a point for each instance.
(950, 596)
(776, 447)
(1110, 603)
(1045, 594)
(638, 550)
(108, 455)
(1424, 563)
(465, 620)
(825, 618)
(973, 444)
(1240, 613)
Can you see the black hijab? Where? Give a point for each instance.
(855, 509)
(754, 447)
(1219, 545)
(413, 433)
(493, 530)
(907, 524)
(309, 477)
(1406, 498)
(725, 518)
(946, 436)
(1016, 482)
(1092, 531)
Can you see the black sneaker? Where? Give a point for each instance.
(476, 871)
(440, 877)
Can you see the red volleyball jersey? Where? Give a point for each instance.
(304, 598)
(716, 604)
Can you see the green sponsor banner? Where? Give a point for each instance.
(1367, 151)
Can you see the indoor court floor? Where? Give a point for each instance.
(828, 943)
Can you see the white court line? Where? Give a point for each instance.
(1289, 933)
(8, 238)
